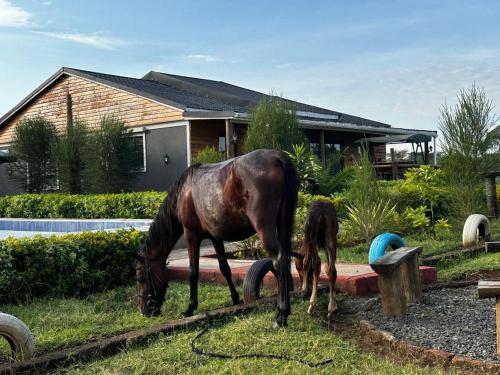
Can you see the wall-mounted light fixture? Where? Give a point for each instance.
(166, 158)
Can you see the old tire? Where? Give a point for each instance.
(382, 242)
(18, 335)
(254, 278)
(476, 226)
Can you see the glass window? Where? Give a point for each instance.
(222, 143)
(138, 156)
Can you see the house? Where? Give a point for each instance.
(174, 117)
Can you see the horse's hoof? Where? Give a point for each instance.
(311, 309)
(281, 322)
(187, 314)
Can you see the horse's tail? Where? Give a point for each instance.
(288, 204)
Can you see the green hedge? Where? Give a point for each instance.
(142, 205)
(73, 264)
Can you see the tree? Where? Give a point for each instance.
(111, 158)
(70, 153)
(273, 124)
(34, 145)
(469, 147)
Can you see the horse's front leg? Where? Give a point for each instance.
(226, 270)
(193, 243)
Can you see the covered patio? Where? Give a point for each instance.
(394, 167)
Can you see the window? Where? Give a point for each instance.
(222, 143)
(138, 152)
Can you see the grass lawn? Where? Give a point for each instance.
(305, 338)
(62, 322)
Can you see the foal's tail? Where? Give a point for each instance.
(288, 204)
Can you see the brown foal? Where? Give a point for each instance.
(320, 230)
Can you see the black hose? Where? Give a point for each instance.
(197, 350)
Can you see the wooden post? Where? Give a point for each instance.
(229, 139)
(426, 153)
(411, 280)
(491, 289)
(491, 196)
(392, 289)
(498, 325)
(322, 146)
(394, 165)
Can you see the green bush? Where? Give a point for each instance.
(73, 264)
(143, 205)
(274, 125)
(209, 154)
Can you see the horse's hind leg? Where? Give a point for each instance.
(226, 270)
(193, 243)
(281, 263)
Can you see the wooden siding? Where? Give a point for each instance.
(205, 133)
(91, 101)
(379, 153)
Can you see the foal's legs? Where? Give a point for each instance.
(225, 269)
(315, 270)
(193, 243)
(331, 271)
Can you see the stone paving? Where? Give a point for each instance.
(354, 279)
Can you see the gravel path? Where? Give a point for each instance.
(454, 320)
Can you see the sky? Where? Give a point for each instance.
(392, 61)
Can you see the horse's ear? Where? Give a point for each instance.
(138, 257)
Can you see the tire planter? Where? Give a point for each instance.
(381, 242)
(18, 336)
(254, 278)
(476, 226)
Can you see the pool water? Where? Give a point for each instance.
(46, 227)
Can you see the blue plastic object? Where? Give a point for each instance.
(381, 242)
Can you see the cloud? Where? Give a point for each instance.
(13, 16)
(201, 57)
(97, 39)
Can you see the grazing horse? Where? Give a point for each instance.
(320, 230)
(227, 201)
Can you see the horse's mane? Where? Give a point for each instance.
(166, 223)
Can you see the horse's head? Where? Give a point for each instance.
(152, 283)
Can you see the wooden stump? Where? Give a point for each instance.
(491, 289)
(411, 280)
(398, 279)
(392, 293)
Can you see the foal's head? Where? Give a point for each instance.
(152, 282)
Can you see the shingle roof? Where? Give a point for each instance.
(196, 94)
(204, 94)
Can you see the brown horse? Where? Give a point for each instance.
(227, 201)
(320, 230)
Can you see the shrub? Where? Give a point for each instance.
(143, 205)
(274, 125)
(469, 146)
(70, 155)
(73, 264)
(34, 146)
(307, 165)
(110, 157)
(369, 210)
(209, 154)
